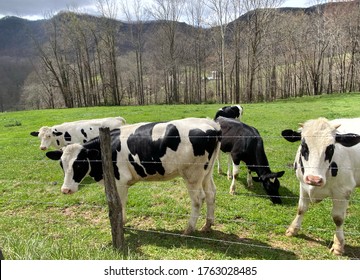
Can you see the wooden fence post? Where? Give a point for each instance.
(112, 196)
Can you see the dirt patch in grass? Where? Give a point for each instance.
(94, 215)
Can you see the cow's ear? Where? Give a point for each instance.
(256, 179)
(92, 153)
(347, 140)
(34, 133)
(54, 155)
(291, 135)
(271, 176)
(279, 174)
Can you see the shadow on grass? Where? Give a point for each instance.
(351, 252)
(216, 243)
(288, 197)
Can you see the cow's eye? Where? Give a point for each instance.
(329, 152)
(304, 150)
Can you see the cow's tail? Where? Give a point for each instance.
(217, 142)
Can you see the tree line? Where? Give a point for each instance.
(229, 52)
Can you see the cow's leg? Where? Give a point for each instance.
(210, 190)
(303, 206)
(249, 179)
(229, 165)
(234, 175)
(197, 196)
(338, 214)
(123, 194)
(219, 165)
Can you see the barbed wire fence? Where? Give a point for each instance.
(173, 214)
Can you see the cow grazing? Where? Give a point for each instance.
(152, 152)
(232, 112)
(244, 143)
(80, 132)
(326, 164)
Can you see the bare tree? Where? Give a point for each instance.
(169, 13)
(109, 10)
(221, 10)
(260, 14)
(55, 58)
(136, 15)
(197, 53)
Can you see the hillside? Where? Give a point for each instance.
(18, 54)
(17, 35)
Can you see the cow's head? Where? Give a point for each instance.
(46, 135)
(232, 112)
(271, 185)
(75, 162)
(315, 154)
(237, 111)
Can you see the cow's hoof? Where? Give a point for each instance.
(337, 250)
(206, 228)
(291, 231)
(232, 192)
(188, 231)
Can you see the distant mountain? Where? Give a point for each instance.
(16, 33)
(17, 37)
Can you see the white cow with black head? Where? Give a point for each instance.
(80, 131)
(152, 152)
(326, 164)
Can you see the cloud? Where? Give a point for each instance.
(40, 8)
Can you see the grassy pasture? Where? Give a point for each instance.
(38, 222)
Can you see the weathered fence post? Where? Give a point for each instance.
(112, 196)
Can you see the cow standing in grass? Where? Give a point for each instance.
(244, 143)
(234, 112)
(327, 164)
(152, 152)
(80, 132)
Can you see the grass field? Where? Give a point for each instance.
(38, 222)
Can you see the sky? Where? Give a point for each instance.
(39, 9)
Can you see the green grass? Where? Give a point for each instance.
(38, 222)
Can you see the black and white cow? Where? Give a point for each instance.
(326, 164)
(244, 143)
(232, 112)
(80, 132)
(152, 151)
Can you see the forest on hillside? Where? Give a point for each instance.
(229, 51)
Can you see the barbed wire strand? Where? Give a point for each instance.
(150, 186)
(221, 220)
